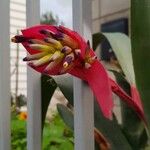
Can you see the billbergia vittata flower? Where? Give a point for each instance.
(55, 50)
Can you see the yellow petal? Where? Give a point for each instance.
(44, 48)
(42, 60)
(57, 55)
(56, 44)
(35, 56)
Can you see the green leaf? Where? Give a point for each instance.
(134, 134)
(68, 118)
(56, 133)
(121, 46)
(109, 129)
(66, 115)
(97, 39)
(140, 36)
(48, 87)
(65, 83)
(66, 144)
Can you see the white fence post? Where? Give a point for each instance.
(33, 87)
(4, 75)
(83, 97)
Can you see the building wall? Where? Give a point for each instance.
(17, 22)
(107, 10)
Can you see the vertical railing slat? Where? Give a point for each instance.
(33, 87)
(83, 97)
(4, 75)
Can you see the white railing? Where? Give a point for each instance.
(4, 76)
(84, 122)
(33, 86)
(83, 98)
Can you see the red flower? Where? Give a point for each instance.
(58, 50)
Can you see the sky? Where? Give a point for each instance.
(61, 8)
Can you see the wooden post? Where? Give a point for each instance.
(83, 97)
(33, 87)
(4, 75)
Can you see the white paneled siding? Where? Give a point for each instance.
(18, 22)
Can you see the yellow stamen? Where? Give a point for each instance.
(65, 64)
